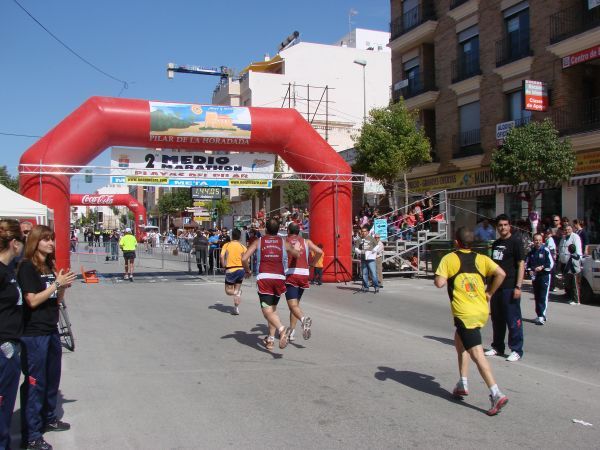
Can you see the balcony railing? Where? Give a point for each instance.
(457, 3)
(465, 67)
(513, 47)
(578, 117)
(467, 143)
(572, 21)
(416, 86)
(412, 18)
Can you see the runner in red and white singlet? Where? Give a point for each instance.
(272, 258)
(297, 276)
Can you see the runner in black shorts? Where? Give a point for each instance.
(231, 259)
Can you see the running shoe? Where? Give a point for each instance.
(269, 342)
(37, 444)
(57, 425)
(513, 357)
(490, 352)
(292, 337)
(236, 311)
(131, 279)
(460, 391)
(498, 402)
(126, 277)
(573, 303)
(306, 328)
(284, 337)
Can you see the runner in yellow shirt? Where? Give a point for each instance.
(128, 244)
(464, 272)
(231, 259)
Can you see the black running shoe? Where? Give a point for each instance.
(37, 444)
(57, 425)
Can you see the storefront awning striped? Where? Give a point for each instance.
(524, 187)
(582, 180)
(470, 193)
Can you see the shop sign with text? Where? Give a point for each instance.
(535, 95)
(453, 180)
(581, 57)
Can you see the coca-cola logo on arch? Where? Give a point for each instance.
(97, 199)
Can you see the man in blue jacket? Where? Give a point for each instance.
(539, 264)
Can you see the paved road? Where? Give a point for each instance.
(161, 364)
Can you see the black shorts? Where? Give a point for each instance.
(470, 337)
(293, 292)
(268, 300)
(129, 256)
(232, 278)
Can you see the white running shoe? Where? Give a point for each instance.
(292, 337)
(236, 311)
(490, 352)
(306, 333)
(513, 357)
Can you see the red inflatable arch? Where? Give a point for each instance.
(102, 122)
(134, 206)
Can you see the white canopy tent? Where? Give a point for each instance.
(14, 205)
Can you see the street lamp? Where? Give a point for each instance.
(363, 63)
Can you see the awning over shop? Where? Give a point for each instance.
(583, 180)
(470, 193)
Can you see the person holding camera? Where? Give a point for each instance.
(367, 250)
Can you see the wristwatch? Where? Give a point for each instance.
(57, 285)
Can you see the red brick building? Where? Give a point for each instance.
(462, 64)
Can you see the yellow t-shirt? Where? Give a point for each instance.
(319, 263)
(468, 303)
(128, 243)
(232, 252)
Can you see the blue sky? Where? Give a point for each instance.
(41, 82)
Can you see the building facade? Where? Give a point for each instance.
(462, 64)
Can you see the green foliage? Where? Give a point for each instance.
(248, 194)
(531, 154)
(174, 202)
(295, 193)
(391, 143)
(159, 121)
(223, 206)
(8, 180)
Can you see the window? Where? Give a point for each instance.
(515, 109)
(516, 23)
(410, 13)
(469, 124)
(468, 52)
(411, 73)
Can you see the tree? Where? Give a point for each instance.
(223, 206)
(8, 180)
(532, 154)
(174, 202)
(390, 144)
(295, 193)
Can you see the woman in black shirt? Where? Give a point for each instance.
(11, 324)
(42, 288)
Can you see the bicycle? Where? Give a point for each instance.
(64, 327)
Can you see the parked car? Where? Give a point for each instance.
(590, 275)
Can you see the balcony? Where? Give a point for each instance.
(467, 143)
(578, 117)
(418, 86)
(512, 48)
(411, 19)
(466, 66)
(573, 21)
(457, 3)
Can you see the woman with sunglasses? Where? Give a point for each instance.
(11, 324)
(43, 287)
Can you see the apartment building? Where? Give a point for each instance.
(462, 64)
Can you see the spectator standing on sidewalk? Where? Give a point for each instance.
(539, 265)
(568, 238)
(464, 272)
(580, 231)
(367, 251)
(572, 275)
(484, 231)
(379, 260)
(507, 252)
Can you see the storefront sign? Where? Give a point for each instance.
(581, 57)
(502, 130)
(102, 199)
(587, 162)
(454, 180)
(536, 95)
(206, 193)
(185, 182)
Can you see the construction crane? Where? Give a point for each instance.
(223, 71)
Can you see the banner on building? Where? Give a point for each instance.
(185, 168)
(581, 57)
(373, 187)
(535, 95)
(453, 180)
(181, 123)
